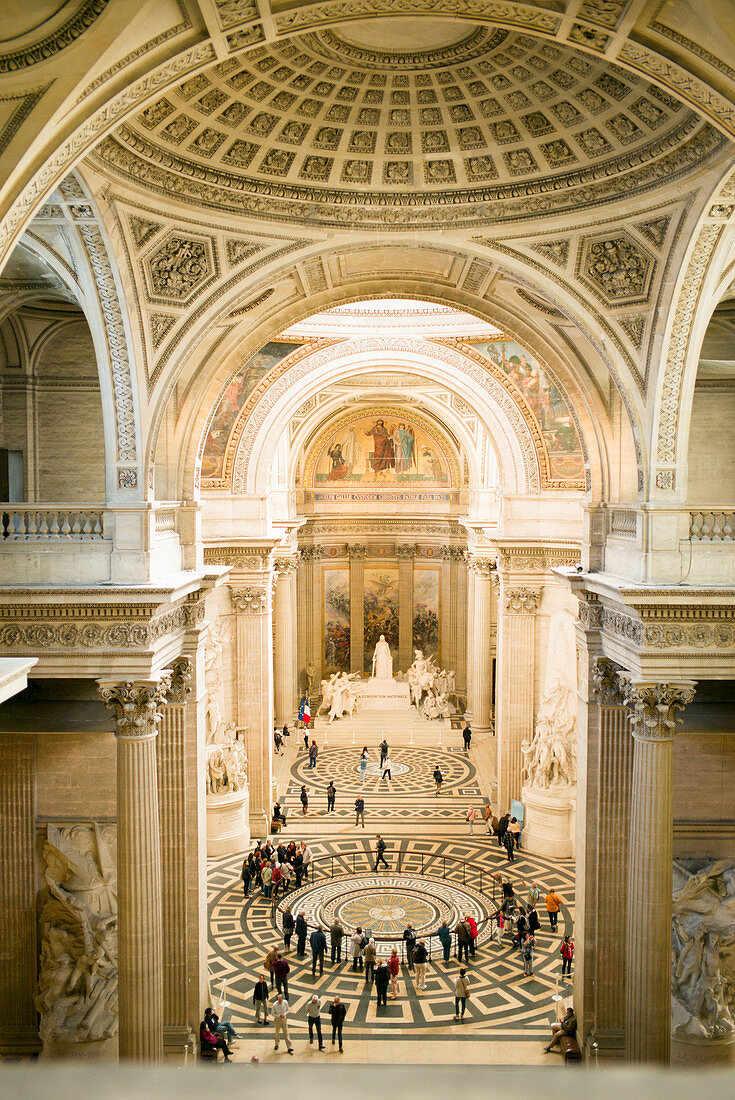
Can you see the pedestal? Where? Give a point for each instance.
(103, 1050)
(547, 821)
(691, 1052)
(384, 695)
(228, 824)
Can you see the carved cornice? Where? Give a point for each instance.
(590, 613)
(356, 550)
(537, 559)
(181, 679)
(654, 706)
(625, 626)
(607, 687)
(241, 557)
(522, 601)
(251, 601)
(46, 48)
(136, 705)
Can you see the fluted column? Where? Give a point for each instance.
(137, 708)
(309, 613)
(482, 670)
(458, 593)
(447, 614)
(254, 677)
(284, 641)
(406, 555)
(653, 722)
(357, 552)
(18, 953)
(515, 690)
(470, 643)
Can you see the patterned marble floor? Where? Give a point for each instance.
(428, 880)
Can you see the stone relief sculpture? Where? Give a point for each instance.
(550, 758)
(431, 687)
(703, 935)
(77, 983)
(227, 762)
(339, 695)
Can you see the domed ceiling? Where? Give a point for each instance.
(336, 128)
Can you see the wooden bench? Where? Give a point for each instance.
(570, 1049)
(208, 1054)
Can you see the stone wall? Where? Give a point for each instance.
(76, 775)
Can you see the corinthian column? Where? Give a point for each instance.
(470, 646)
(137, 708)
(357, 552)
(284, 639)
(481, 651)
(406, 554)
(516, 673)
(653, 722)
(255, 691)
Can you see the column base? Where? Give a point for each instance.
(547, 822)
(607, 1046)
(690, 1051)
(260, 824)
(20, 1042)
(101, 1050)
(228, 829)
(178, 1042)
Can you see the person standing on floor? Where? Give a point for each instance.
(470, 819)
(266, 877)
(279, 1008)
(553, 905)
(338, 1012)
(306, 739)
(567, 954)
(268, 962)
(313, 753)
(298, 866)
(288, 928)
(360, 811)
(533, 921)
(487, 817)
(382, 977)
(336, 935)
(308, 856)
(318, 943)
(527, 945)
(409, 938)
(331, 795)
(394, 968)
(281, 970)
(510, 845)
(304, 799)
(356, 948)
(277, 741)
(501, 829)
(438, 779)
(445, 938)
(313, 1015)
(461, 993)
(383, 751)
(463, 941)
(369, 956)
(387, 764)
(302, 930)
(515, 829)
(501, 926)
(533, 894)
(260, 999)
(420, 958)
(246, 875)
(473, 934)
(380, 852)
(467, 736)
(363, 763)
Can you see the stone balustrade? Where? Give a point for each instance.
(712, 526)
(42, 522)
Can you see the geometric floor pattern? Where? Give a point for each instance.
(428, 880)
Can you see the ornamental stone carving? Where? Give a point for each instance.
(482, 567)
(286, 565)
(622, 625)
(48, 47)
(312, 553)
(607, 687)
(618, 267)
(356, 550)
(177, 267)
(654, 706)
(522, 601)
(405, 552)
(136, 705)
(693, 635)
(250, 601)
(181, 679)
(590, 614)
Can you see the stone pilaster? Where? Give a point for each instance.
(254, 678)
(653, 721)
(515, 677)
(18, 953)
(482, 667)
(469, 647)
(356, 553)
(406, 555)
(309, 612)
(137, 708)
(447, 615)
(458, 592)
(285, 680)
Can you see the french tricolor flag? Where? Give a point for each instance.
(305, 711)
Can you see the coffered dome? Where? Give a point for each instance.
(333, 126)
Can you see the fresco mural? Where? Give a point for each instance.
(381, 611)
(426, 597)
(232, 401)
(547, 404)
(389, 448)
(336, 620)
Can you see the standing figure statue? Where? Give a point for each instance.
(382, 660)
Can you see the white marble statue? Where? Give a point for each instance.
(382, 660)
(422, 677)
(226, 761)
(343, 696)
(550, 758)
(703, 935)
(77, 981)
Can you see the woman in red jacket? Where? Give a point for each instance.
(567, 954)
(473, 934)
(394, 966)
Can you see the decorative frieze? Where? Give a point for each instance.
(623, 625)
(537, 559)
(654, 706)
(522, 601)
(241, 557)
(590, 613)
(99, 635)
(286, 565)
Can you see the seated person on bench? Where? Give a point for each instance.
(567, 1026)
(279, 817)
(208, 1041)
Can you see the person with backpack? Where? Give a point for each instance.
(567, 954)
(360, 811)
(438, 779)
(380, 847)
(409, 938)
(527, 946)
(363, 763)
(461, 993)
(463, 941)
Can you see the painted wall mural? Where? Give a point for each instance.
(232, 401)
(426, 603)
(541, 395)
(380, 611)
(336, 620)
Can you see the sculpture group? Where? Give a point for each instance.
(227, 762)
(550, 757)
(339, 695)
(431, 687)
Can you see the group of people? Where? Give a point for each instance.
(273, 867)
(520, 921)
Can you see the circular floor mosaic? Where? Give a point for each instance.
(375, 769)
(412, 773)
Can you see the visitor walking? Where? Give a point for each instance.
(279, 1008)
(337, 1011)
(487, 817)
(331, 795)
(438, 779)
(527, 947)
(473, 934)
(336, 935)
(470, 818)
(382, 977)
(302, 930)
(268, 964)
(281, 970)
(278, 742)
(533, 919)
(318, 943)
(501, 829)
(363, 763)
(533, 894)
(553, 905)
(369, 956)
(383, 751)
(567, 954)
(387, 765)
(445, 938)
(360, 811)
(394, 967)
(288, 928)
(409, 938)
(313, 753)
(461, 993)
(304, 798)
(313, 1015)
(380, 847)
(420, 957)
(510, 846)
(467, 736)
(260, 999)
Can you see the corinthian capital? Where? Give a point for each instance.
(250, 601)
(522, 601)
(653, 706)
(405, 551)
(286, 565)
(482, 567)
(356, 550)
(136, 705)
(607, 684)
(181, 677)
